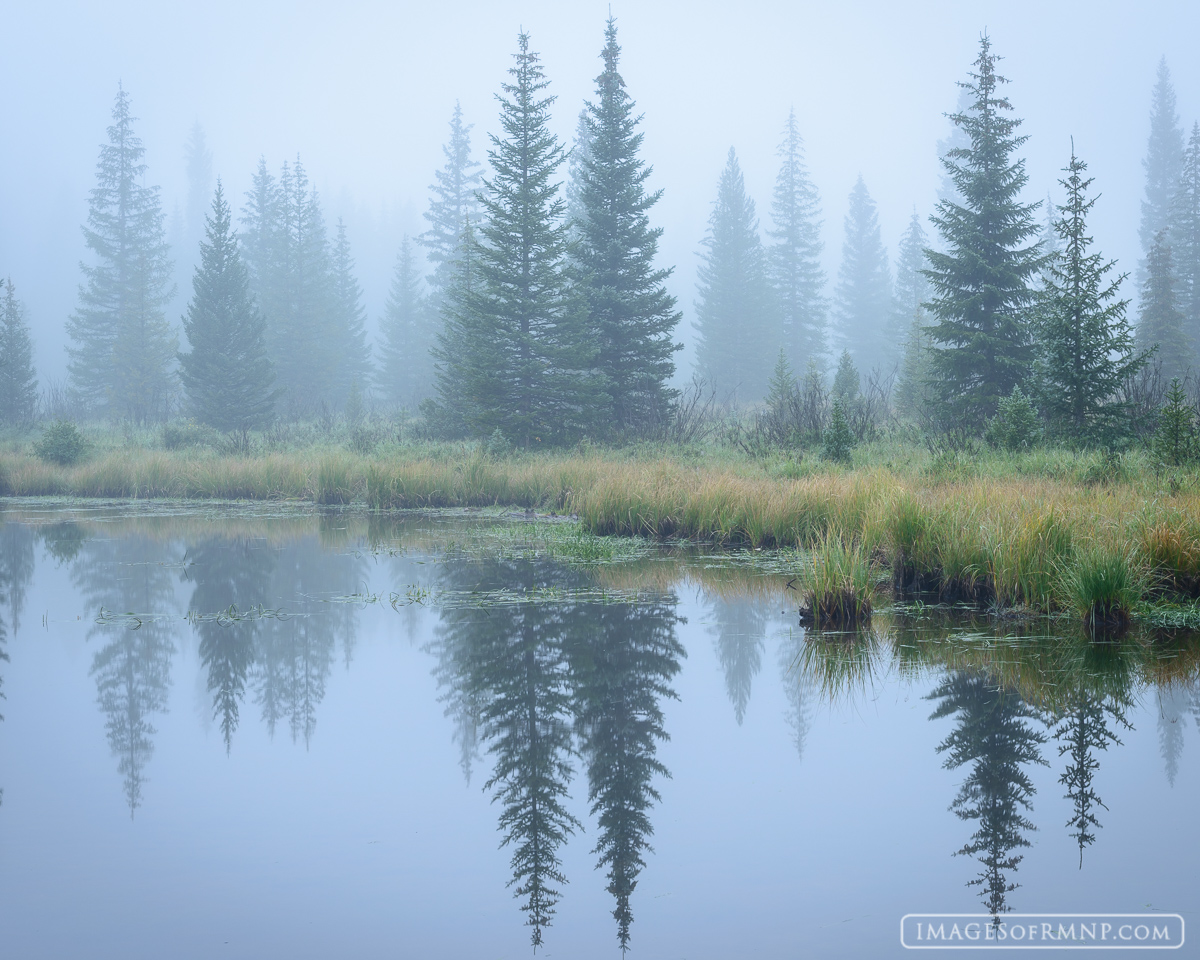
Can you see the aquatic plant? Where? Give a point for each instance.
(837, 585)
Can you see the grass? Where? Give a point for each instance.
(1037, 532)
(837, 585)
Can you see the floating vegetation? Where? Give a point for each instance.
(231, 615)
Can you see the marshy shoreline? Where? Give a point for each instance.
(1044, 532)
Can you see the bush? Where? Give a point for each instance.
(1015, 425)
(61, 443)
(180, 436)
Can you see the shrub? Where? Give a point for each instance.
(185, 434)
(1015, 425)
(61, 443)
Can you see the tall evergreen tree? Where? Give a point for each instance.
(956, 139)
(911, 317)
(227, 375)
(122, 345)
(459, 358)
(981, 282)
(293, 281)
(1185, 239)
(1086, 346)
(794, 258)
(198, 164)
(405, 371)
(581, 151)
(630, 314)
(864, 289)
(737, 335)
(1163, 161)
(18, 382)
(1160, 323)
(454, 202)
(534, 383)
(347, 322)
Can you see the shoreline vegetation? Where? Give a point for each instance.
(1048, 531)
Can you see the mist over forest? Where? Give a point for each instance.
(360, 104)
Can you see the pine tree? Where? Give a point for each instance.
(293, 280)
(1175, 438)
(198, 163)
(1086, 345)
(794, 259)
(982, 281)
(581, 151)
(736, 334)
(863, 296)
(846, 381)
(630, 314)
(459, 358)
(405, 363)
(122, 345)
(529, 369)
(910, 316)
(454, 203)
(18, 382)
(1160, 324)
(956, 139)
(1184, 220)
(227, 375)
(1163, 162)
(347, 322)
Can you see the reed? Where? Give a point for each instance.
(837, 585)
(1102, 586)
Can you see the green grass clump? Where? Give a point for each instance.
(837, 586)
(1102, 586)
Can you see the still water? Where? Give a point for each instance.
(259, 734)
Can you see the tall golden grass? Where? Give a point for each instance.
(1011, 538)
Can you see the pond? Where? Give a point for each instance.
(269, 732)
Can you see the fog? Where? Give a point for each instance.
(363, 92)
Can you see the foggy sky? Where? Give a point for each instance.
(364, 91)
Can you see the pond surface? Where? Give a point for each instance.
(258, 734)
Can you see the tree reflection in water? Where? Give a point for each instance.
(532, 672)
(134, 579)
(994, 735)
(16, 571)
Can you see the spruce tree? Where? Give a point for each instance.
(453, 204)
(347, 323)
(846, 381)
(1086, 345)
(981, 281)
(1175, 437)
(581, 151)
(794, 258)
(122, 345)
(630, 314)
(1163, 162)
(864, 290)
(459, 358)
(530, 373)
(737, 335)
(405, 363)
(1185, 240)
(1160, 324)
(18, 382)
(910, 316)
(227, 375)
(293, 281)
